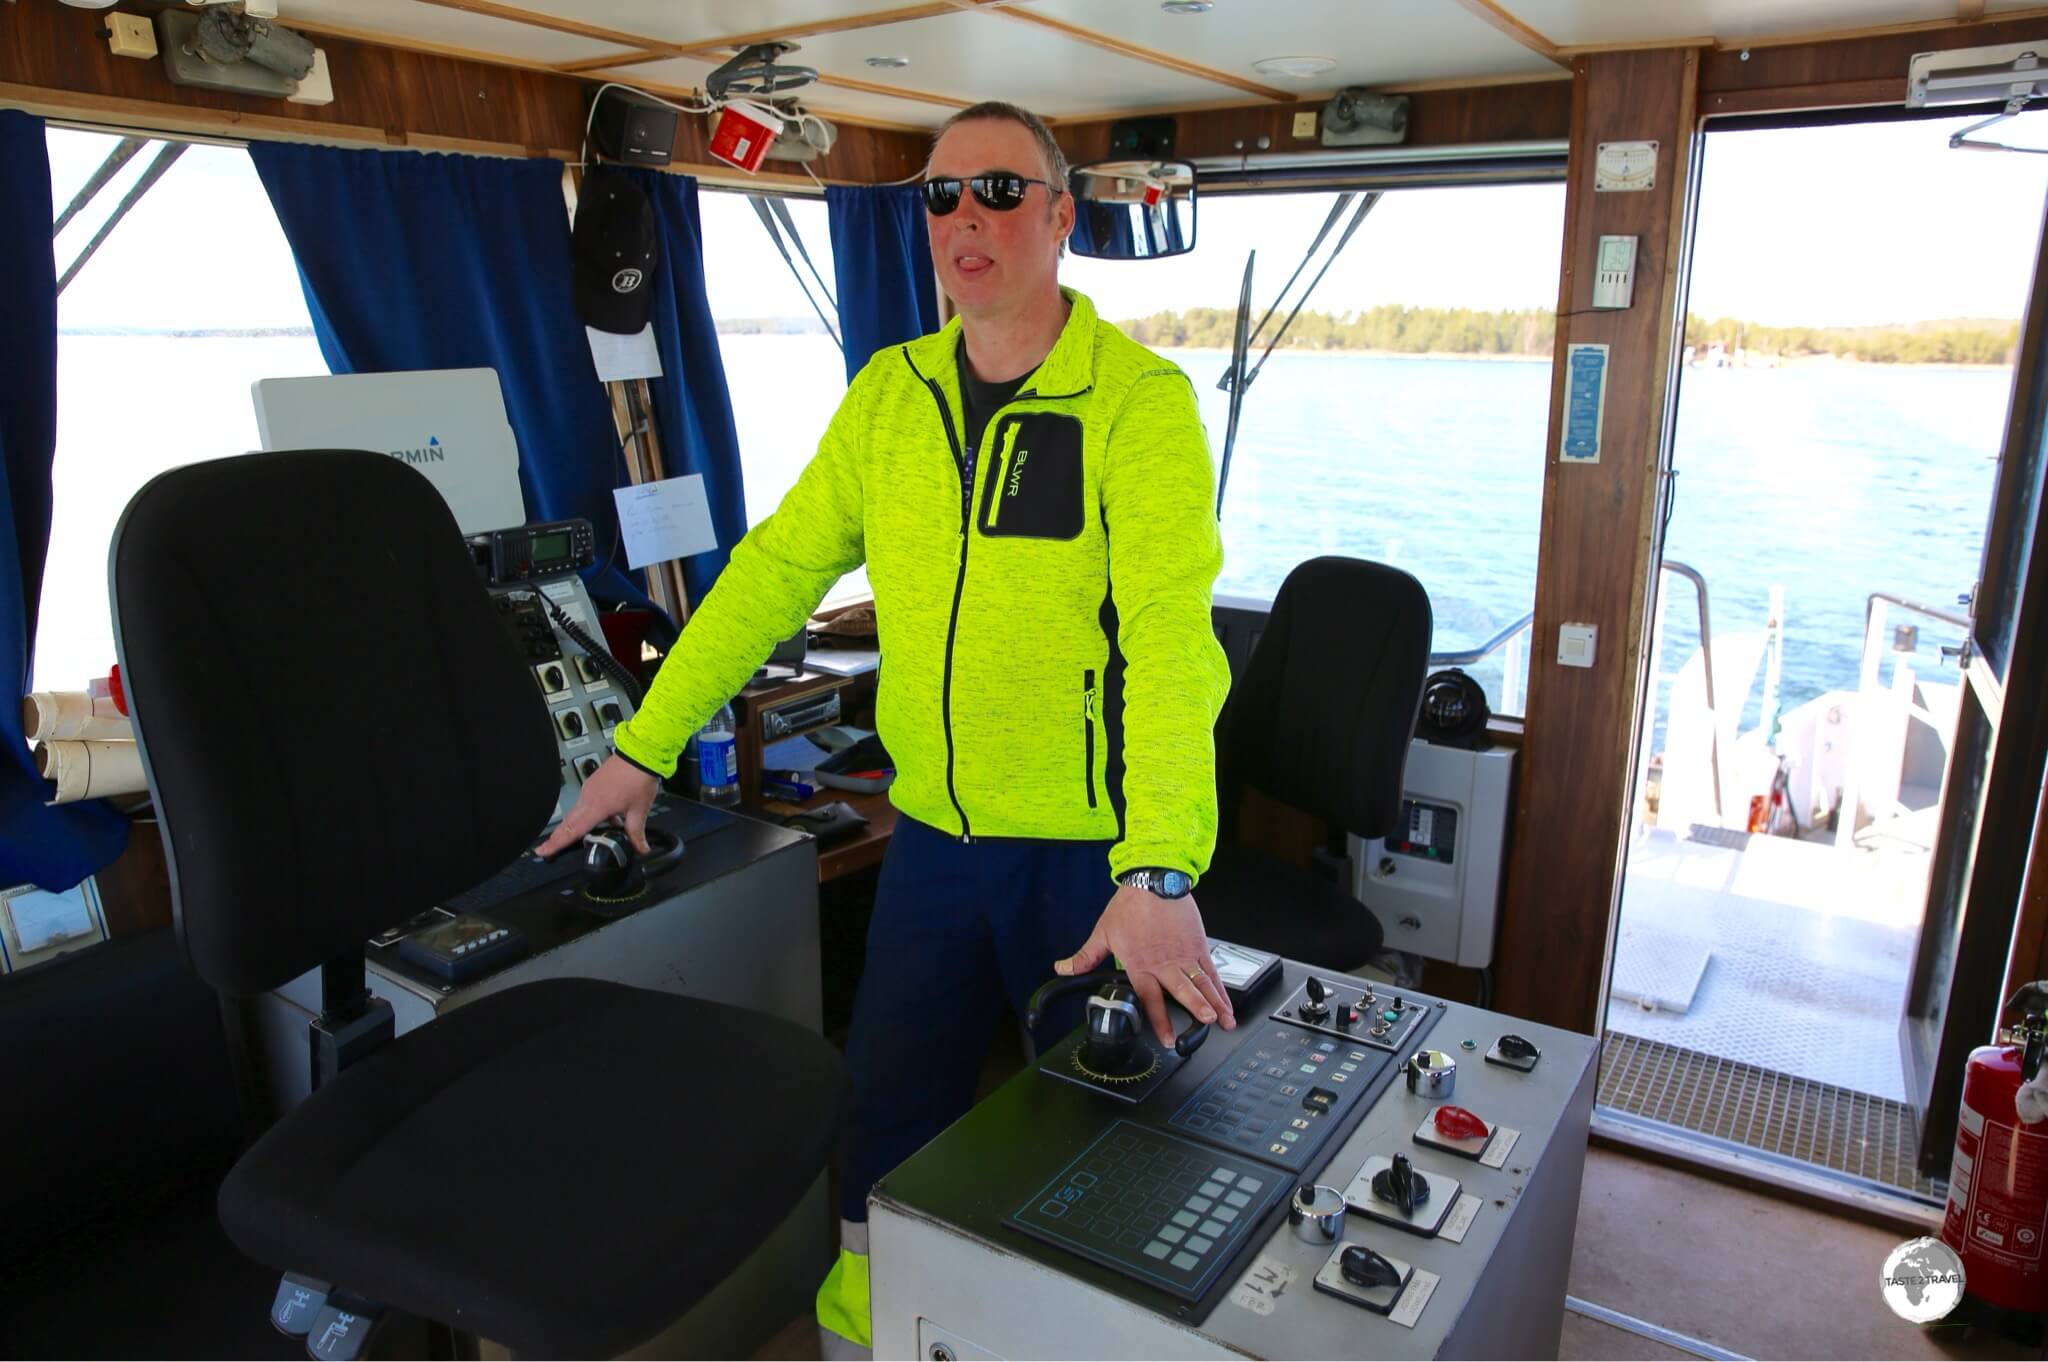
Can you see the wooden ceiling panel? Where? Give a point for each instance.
(1605, 23)
(1372, 44)
(411, 20)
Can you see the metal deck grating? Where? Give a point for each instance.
(1854, 1133)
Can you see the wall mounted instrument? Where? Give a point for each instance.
(532, 572)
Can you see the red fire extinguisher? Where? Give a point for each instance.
(1996, 1218)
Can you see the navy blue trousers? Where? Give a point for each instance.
(960, 933)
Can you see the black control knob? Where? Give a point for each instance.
(1400, 1184)
(1361, 1266)
(552, 678)
(1317, 990)
(1516, 1047)
(609, 712)
(572, 724)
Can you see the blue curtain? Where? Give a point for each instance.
(51, 847)
(882, 261)
(692, 409)
(419, 261)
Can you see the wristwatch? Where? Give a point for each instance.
(1167, 884)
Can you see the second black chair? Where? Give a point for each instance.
(338, 733)
(1320, 720)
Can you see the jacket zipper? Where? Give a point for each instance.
(1088, 729)
(965, 463)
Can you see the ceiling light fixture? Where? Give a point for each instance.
(1187, 6)
(888, 63)
(1294, 68)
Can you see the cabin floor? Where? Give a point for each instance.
(1723, 1266)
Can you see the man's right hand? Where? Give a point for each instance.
(618, 789)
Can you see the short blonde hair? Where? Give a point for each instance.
(996, 111)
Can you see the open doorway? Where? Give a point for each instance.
(1855, 303)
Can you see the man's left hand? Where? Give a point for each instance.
(1164, 949)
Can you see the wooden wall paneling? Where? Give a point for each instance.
(1522, 112)
(2029, 959)
(1598, 549)
(399, 93)
(53, 61)
(1866, 70)
(135, 891)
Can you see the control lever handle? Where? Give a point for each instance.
(1185, 1044)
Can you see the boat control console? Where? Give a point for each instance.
(1335, 1177)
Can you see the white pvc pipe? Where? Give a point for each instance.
(86, 769)
(48, 714)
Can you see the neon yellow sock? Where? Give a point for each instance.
(843, 1299)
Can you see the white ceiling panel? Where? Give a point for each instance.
(1574, 23)
(403, 19)
(697, 21)
(684, 73)
(1373, 44)
(986, 56)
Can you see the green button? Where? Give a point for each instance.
(1390, 1016)
(1468, 1045)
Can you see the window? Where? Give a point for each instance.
(784, 371)
(188, 301)
(1404, 417)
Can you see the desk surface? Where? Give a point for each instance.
(857, 852)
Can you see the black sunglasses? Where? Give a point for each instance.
(997, 190)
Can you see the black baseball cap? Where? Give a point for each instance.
(614, 251)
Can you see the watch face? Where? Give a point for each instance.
(1175, 883)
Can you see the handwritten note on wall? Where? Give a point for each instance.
(664, 520)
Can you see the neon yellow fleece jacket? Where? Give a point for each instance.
(1049, 668)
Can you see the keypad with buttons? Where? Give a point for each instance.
(1285, 1087)
(1165, 1210)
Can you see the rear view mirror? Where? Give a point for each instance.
(1133, 209)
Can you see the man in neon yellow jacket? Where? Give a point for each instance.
(1033, 497)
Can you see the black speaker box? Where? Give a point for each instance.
(633, 129)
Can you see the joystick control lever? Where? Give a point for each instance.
(1317, 1006)
(1114, 1031)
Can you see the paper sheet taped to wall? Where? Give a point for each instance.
(664, 520)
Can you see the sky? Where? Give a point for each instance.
(1856, 225)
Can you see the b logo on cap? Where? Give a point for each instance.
(625, 281)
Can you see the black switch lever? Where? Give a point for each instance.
(1515, 1047)
(1399, 1183)
(1362, 1266)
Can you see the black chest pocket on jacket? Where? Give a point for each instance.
(1034, 488)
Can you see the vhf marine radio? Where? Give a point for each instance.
(531, 571)
(532, 553)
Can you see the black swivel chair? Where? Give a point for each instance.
(339, 733)
(1320, 720)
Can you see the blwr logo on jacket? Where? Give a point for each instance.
(1050, 502)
